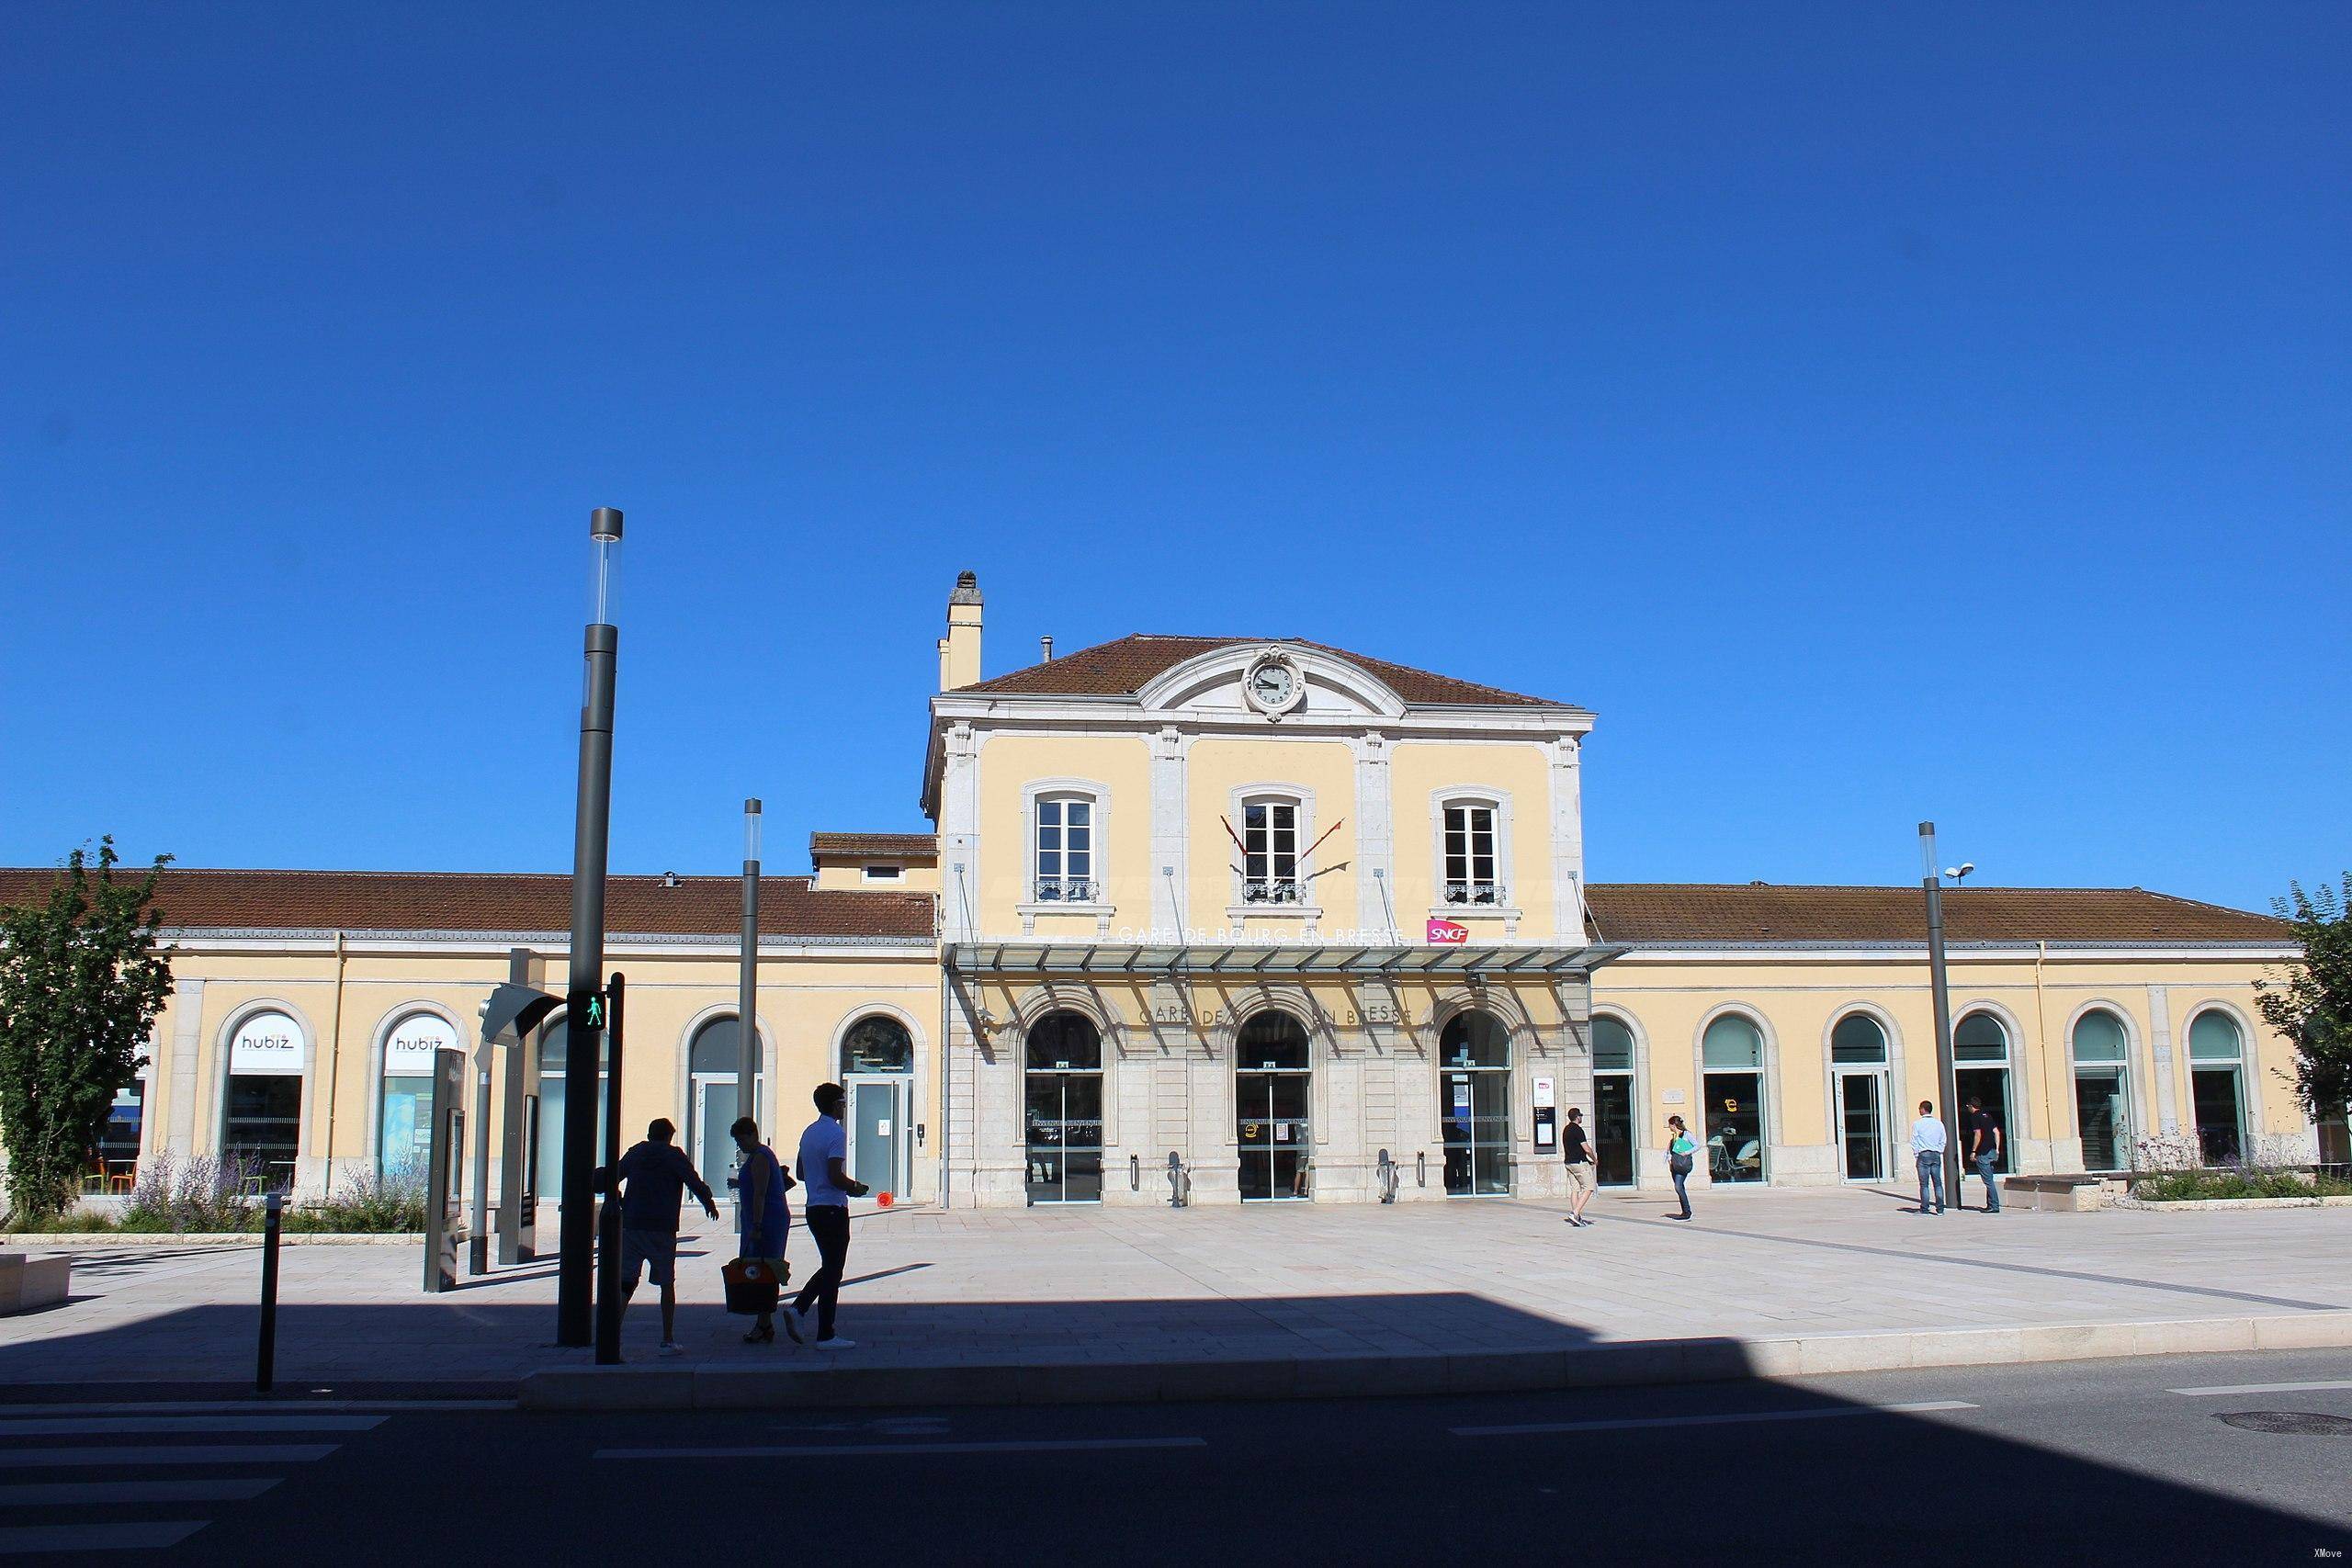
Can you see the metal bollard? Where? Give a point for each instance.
(1179, 1183)
(608, 1283)
(264, 1366)
(1388, 1174)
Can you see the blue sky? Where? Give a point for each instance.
(1874, 412)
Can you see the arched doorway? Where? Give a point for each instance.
(1857, 1063)
(2216, 1085)
(1979, 1054)
(877, 1071)
(1732, 1051)
(1062, 1102)
(713, 1059)
(1272, 1079)
(1474, 1067)
(1614, 1133)
(2101, 1049)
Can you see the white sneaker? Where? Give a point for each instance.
(671, 1347)
(837, 1343)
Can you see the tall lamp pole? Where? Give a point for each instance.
(583, 1021)
(1947, 1073)
(747, 990)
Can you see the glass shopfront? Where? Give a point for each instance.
(1062, 1096)
(2102, 1090)
(1474, 1053)
(1271, 1092)
(114, 1170)
(405, 1117)
(713, 1058)
(261, 1120)
(554, 1053)
(1614, 1123)
(1732, 1104)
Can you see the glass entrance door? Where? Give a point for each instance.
(1271, 1087)
(1989, 1087)
(1612, 1129)
(715, 1156)
(878, 1133)
(1861, 1120)
(1062, 1111)
(1475, 1115)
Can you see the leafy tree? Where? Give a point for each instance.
(2311, 1004)
(81, 982)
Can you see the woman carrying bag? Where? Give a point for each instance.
(763, 1219)
(1679, 1154)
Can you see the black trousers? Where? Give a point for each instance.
(828, 1228)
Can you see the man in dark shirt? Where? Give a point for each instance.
(1984, 1145)
(1580, 1169)
(659, 1175)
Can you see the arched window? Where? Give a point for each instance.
(1979, 1037)
(1732, 1097)
(404, 1121)
(555, 1051)
(877, 1043)
(1062, 1101)
(261, 1120)
(2100, 1047)
(1858, 1040)
(2216, 1085)
(1857, 1063)
(1613, 1127)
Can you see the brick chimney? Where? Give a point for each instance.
(959, 650)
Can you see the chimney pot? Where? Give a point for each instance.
(1046, 650)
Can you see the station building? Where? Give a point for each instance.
(1259, 917)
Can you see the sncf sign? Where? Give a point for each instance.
(1445, 933)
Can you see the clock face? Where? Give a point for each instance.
(1273, 685)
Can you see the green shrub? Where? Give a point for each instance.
(366, 1203)
(198, 1194)
(2192, 1186)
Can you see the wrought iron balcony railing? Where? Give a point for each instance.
(1474, 893)
(1272, 890)
(1067, 890)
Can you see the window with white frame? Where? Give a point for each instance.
(1066, 849)
(1473, 868)
(1269, 870)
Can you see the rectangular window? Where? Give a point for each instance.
(1065, 851)
(1470, 855)
(1270, 853)
(882, 873)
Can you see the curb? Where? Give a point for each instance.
(1649, 1361)
(61, 1241)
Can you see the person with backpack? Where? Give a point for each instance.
(763, 1219)
(1680, 1157)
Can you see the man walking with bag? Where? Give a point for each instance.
(824, 1154)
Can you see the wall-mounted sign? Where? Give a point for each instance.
(267, 1042)
(1446, 933)
(1544, 1095)
(409, 1052)
(1671, 1096)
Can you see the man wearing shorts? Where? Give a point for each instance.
(1580, 1168)
(658, 1175)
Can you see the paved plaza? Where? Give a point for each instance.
(1095, 1285)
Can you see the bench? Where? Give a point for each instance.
(26, 1281)
(2065, 1194)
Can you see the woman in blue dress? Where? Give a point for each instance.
(762, 1218)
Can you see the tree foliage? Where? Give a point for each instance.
(81, 982)
(2309, 1004)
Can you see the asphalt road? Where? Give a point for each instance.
(2087, 1463)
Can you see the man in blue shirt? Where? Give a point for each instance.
(658, 1175)
(824, 1154)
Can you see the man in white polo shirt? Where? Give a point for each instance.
(824, 1209)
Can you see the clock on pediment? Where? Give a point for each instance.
(1274, 684)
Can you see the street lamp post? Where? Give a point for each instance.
(1946, 1072)
(747, 990)
(583, 1020)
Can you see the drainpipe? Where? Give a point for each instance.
(334, 1066)
(2042, 1042)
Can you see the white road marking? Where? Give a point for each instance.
(93, 1425)
(2261, 1388)
(48, 1539)
(208, 1453)
(822, 1450)
(60, 1493)
(248, 1406)
(1632, 1423)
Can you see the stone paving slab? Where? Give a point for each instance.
(1116, 1290)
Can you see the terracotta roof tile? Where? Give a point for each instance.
(1645, 913)
(490, 902)
(906, 846)
(1122, 667)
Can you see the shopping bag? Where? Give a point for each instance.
(752, 1286)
